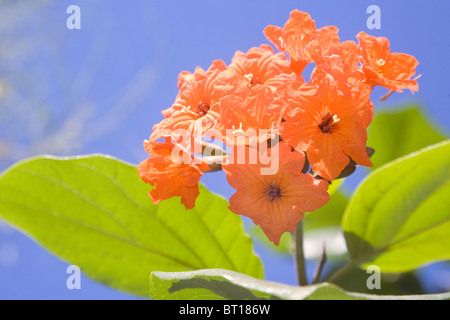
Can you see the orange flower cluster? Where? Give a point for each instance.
(314, 129)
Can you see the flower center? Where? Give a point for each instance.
(273, 192)
(203, 109)
(328, 122)
(252, 81)
(381, 62)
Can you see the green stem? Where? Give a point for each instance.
(320, 265)
(299, 256)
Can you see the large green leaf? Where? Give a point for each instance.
(399, 132)
(95, 212)
(399, 217)
(217, 284)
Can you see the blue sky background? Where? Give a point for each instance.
(100, 89)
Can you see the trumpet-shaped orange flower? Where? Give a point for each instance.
(171, 175)
(383, 68)
(197, 100)
(329, 126)
(301, 40)
(261, 66)
(260, 110)
(341, 61)
(275, 202)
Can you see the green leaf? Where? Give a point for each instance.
(399, 217)
(399, 132)
(95, 212)
(389, 283)
(217, 284)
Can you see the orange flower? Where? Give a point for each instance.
(260, 65)
(275, 202)
(246, 117)
(300, 39)
(390, 70)
(329, 126)
(172, 176)
(197, 100)
(341, 61)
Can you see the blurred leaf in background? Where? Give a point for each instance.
(398, 218)
(399, 132)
